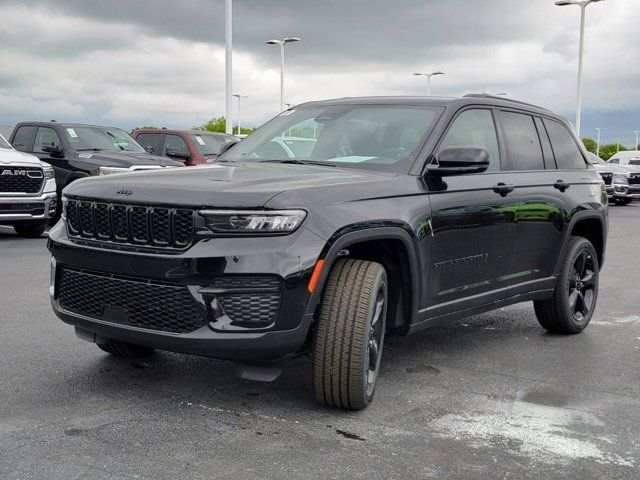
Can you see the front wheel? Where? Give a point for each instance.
(621, 201)
(574, 298)
(30, 230)
(349, 335)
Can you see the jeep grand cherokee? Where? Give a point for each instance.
(405, 213)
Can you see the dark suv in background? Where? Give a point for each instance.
(76, 150)
(401, 214)
(192, 147)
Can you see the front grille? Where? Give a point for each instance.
(248, 300)
(136, 302)
(118, 223)
(21, 179)
(607, 177)
(22, 208)
(634, 179)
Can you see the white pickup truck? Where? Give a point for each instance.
(27, 191)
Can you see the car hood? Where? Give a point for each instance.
(8, 156)
(127, 159)
(228, 186)
(614, 168)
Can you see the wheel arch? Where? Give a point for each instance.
(589, 225)
(395, 249)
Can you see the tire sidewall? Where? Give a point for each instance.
(577, 248)
(381, 280)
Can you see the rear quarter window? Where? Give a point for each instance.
(565, 149)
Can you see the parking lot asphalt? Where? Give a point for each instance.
(493, 396)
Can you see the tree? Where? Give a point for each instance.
(608, 150)
(590, 144)
(219, 124)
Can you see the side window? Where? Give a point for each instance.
(476, 128)
(23, 137)
(566, 151)
(175, 143)
(614, 160)
(151, 140)
(522, 141)
(45, 136)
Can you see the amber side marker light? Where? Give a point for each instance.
(315, 275)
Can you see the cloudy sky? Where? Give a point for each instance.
(161, 62)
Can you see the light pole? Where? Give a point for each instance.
(637, 132)
(282, 43)
(583, 5)
(428, 77)
(238, 96)
(598, 141)
(228, 38)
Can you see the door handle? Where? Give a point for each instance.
(503, 189)
(561, 185)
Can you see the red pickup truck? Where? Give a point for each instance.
(192, 147)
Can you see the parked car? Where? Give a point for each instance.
(77, 151)
(622, 181)
(192, 147)
(406, 213)
(27, 191)
(631, 157)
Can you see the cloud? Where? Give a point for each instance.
(162, 62)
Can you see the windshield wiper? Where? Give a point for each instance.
(300, 162)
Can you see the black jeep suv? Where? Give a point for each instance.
(76, 150)
(395, 215)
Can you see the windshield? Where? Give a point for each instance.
(102, 138)
(593, 158)
(375, 137)
(208, 144)
(4, 143)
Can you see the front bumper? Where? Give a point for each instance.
(290, 259)
(625, 191)
(28, 208)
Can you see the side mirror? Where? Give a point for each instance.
(49, 147)
(149, 149)
(176, 154)
(459, 160)
(227, 145)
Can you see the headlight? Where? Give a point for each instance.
(47, 170)
(620, 179)
(257, 221)
(111, 170)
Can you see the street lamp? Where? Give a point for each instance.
(637, 132)
(228, 36)
(238, 96)
(598, 141)
(583, 5)
(428, 77)
(282, 43)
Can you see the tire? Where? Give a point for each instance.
(574, 298)
(124, 349)
(349, 336)
(30, 230)
(622, 201)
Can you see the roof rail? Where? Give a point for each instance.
(496, 97)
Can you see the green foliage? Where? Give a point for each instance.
(146, 127)
(590, 144)
(219, 124)
(608, 150)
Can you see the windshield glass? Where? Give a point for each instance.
(102, 138)
(4, 143)
(376, 137)
(208, 144)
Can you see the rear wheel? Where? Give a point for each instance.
(30, 230)
(125, 349)
(574, 298)
(621, 201)
(348, 340)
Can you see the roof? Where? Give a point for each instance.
(190, 132)
(470, 99)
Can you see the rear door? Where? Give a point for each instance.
(472, 225)
(151, 141)
(22, 138)
(543, 196)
